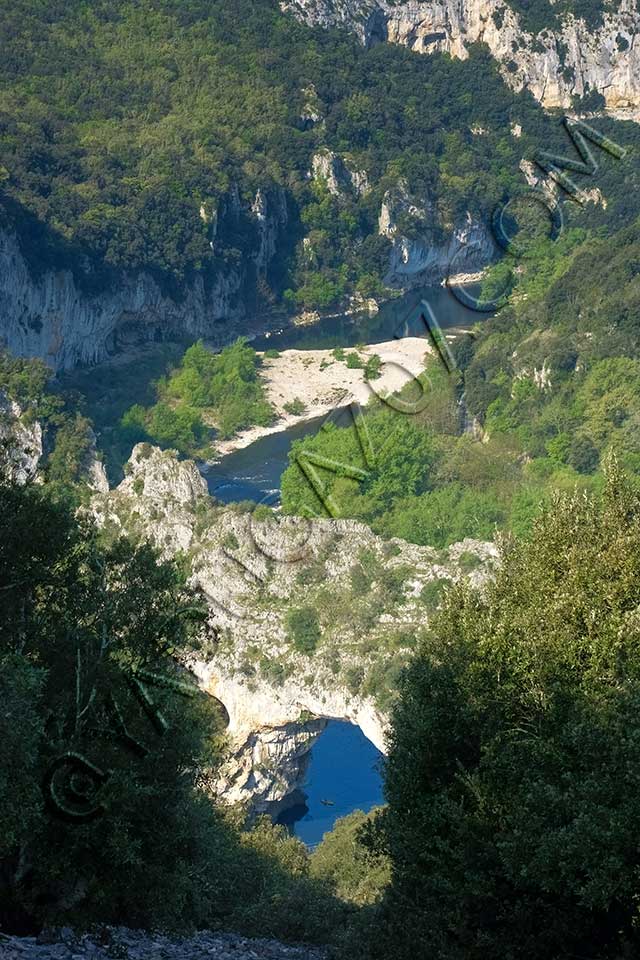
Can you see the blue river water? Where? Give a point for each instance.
(254, 472)
(345, 774)
(345, 767)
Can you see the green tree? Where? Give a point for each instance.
(343, 861)
(514, 766)
(303, 627)
(225, 385)
(79, 622)
(76, 620)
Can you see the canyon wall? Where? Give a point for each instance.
(51, 316)
(568, 59)
(431, 253)
(253, 570)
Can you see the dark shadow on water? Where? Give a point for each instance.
(347, 331)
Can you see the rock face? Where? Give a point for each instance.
(22, 448)
(432, 252)
(50, 316)
(569, 60)
(366, 593)
(338, 176)
(20, 442)
(427, 255)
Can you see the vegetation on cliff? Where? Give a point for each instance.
(512, 779)
(137, 135)
(538, 15)
(68, 439)
(553, 382)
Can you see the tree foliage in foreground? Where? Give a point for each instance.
(514, 772)
(78, 617)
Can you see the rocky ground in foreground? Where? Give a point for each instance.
(121, 944)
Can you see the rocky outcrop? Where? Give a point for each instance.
(53, 317)
(428, 254)
(567, 60)
(20, 442)
(22, 449)
(255, 568)
(423, 251)
(338, 176)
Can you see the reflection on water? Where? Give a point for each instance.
(347, 331)
(344, 775)
(254, 472)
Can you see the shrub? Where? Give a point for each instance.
(341, 860)
(431, 593)
(295, 407)
(303, 628)
(372, 368)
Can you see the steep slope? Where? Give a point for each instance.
(281, 677)
(206, 165)
(567, 58)
(54, 314)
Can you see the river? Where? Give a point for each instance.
(344, 769)
(344, 775)
(254, 472)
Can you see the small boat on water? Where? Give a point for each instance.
(328, 803)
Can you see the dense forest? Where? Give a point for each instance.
(553, 382)
(137, 136)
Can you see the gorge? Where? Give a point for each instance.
(305, 635)
(251, 570)
(564, 58)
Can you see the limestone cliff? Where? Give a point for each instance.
(22, 448)
(20, 442)
(429, 253)
(254, 568)
(423, 250)
(569, 60)
(51, 316)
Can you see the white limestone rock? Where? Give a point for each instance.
(51, 317)
(430, 253)
(20, 442)
(252, 572)
(555, 65)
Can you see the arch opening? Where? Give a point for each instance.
(344, 774)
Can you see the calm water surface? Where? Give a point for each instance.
(254, 473)
(345, 770)
(395, 318)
